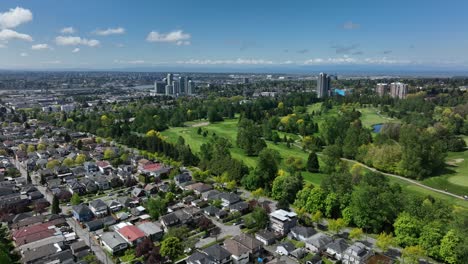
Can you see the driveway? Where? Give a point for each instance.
(226, 230)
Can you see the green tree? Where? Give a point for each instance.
(335, 225)
(412, 254)
(156, 207)
(31, 148)
(259, 192)
(384, 241)
(331, 158)
(249, 137)
(430, 238)
(109, 154)
(68, 162)
(317, 217)
(55, 209)
(171, 248)
(313, 163)
(407, 230)
(80, 159)
(258, 219)
(356, 233)
(52, 164)
(448, 247)
(75, 199)
(285, 187)
(294, 164)
(41, 147)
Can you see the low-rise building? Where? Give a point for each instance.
(282, 221)
(113, 242)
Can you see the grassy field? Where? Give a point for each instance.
(228, 129)
(455, 177)
(369, 117)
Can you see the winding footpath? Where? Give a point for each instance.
(405, 179)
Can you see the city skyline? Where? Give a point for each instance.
(212, 35)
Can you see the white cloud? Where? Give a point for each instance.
(348, 60)
(23, 54)
(40, 47)
(238, 61)
(177, 37)
(76, 50)
(110, 31)
(67, 30)
(350, 25)
(8, 34)
(119, 45)
(15, 17)
(2, 46)
(130, 61)
(75, 41)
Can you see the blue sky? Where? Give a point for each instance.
(109, 34)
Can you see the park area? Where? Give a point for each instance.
(453, 179)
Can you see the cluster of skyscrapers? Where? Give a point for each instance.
(323, 85)
(181, 85)
(395, 89)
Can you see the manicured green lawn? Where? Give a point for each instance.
(369, 117)
(455, 177)
(228, 129)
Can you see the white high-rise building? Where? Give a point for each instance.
(323, 85)
(169, 90)
(182, 86)
(382, 89)
(190, 87)
(176, 86)
(398, 90)
(169, 79)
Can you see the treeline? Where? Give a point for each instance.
(369, 201)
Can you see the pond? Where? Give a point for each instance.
(376, 128)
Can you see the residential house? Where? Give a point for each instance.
(337, 248)
(228, 199)
(82, 213)
(102, 183)
(131, 234)
(266, 237)
(151, 230)
(99, 208)
(299, 253)
(79, 248)
(284, 249)
(90, 167)
(104, 167)
(199, 187)
(77, 187)
(90, 186)
(113, 242)
(210, 195)
(282, 221)
(114, 206)
(241, 207)
(211, 210)
(318, 242)
(219, 254)
(357, 253)
(94, 225)
(182, 178)
(244, 248)
(138, 192)
(301, 233)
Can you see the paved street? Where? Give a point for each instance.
(82, 233)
